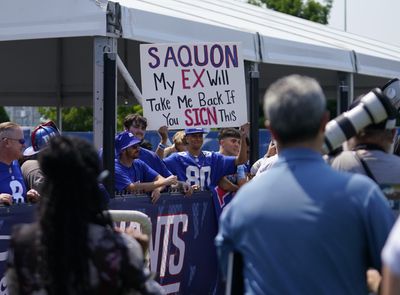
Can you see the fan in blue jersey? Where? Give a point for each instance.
(137, 124)
(229, 145)
(12, 186)
(132, 174)
(203, 169)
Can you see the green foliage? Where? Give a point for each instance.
(309, 9)
(73, 119)
(317, 12)
(125, 110)
(292, 7)
(81, 119)
(3, 115)
(256, 2)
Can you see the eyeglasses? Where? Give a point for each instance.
(21, 140)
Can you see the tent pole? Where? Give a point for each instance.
(254, 94)
(110, 98)
(129, 80)
(59, 71)
(101, 45)
(345, 91)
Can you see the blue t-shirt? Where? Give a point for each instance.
(150, 158)
(205, 170)
(12, 181)
(138, 172)
(154, 161)
(303, 228)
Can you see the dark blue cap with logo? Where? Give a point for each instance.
(194, 130)
(124, 140)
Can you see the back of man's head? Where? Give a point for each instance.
(294, 107)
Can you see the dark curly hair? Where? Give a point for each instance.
(70, 200)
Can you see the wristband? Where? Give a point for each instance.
(161, 146)
(241, 172)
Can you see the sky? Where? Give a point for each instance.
(375, 19)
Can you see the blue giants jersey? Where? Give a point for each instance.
(205, 170)
(12, 182)
(138, 172)
(154, 161)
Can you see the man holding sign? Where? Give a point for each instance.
(203, 169)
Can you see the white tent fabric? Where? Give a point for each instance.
(266, 36)
(26, 19)
(284, 39)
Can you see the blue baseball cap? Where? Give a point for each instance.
(40, 137)
(194, 130)
(124, 140)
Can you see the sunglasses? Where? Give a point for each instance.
(21, 140)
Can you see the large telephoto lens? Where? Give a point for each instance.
(373, 108)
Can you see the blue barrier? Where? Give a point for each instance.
(182, 252)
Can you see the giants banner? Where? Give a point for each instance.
(182, 252)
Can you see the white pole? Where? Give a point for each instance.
(345, 15)
(128, 79)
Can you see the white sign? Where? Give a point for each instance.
(193, 85)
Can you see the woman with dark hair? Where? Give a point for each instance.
(73, 248)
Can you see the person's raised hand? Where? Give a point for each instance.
(163, 132)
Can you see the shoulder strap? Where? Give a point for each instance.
(365, 166)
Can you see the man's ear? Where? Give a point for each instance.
(324, 120)
(273, 133)
(394, 133)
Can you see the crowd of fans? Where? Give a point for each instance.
(336, 223)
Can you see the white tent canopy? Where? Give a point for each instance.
(284, 39)
(25, 20)
(48, 57)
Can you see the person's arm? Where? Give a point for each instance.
(163, 132)
(159, 182)
(391, 262)
(135, 275)
(242, 157)
(227, 185)
(390, 282)
(169, 150)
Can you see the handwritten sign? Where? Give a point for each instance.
(193, 85)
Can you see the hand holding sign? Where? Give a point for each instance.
(245, 129)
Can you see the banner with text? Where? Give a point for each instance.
(182, 252)
(193, 85)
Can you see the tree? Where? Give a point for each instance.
(3, 115)
(81, 119)
(310, 9)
